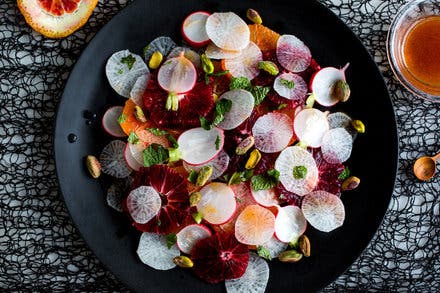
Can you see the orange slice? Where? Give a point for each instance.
(265, 38)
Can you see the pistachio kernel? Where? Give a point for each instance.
(93, 166)
(254, 159)
(245, 145)
(350, 183)
(155, 60)
(358, 125)
(304, 245)
(197, 216)
(340, 90)
(207, 65)
(290, 256)
(269, 66)
(254, 16)
(183, 261)
(139, 114)
(204, 175)
(194, 198)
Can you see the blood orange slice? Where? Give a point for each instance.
(227, 31)
(255, 225)
(265, 38)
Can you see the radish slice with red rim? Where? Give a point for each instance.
(143, 204)
(254, 279)
(199, 146)
(245, 64)
(217, 204)
(194, 29)
(131, 161)
(266, 197)
(163, 44)
(290, 86)
(214, 52)
(228, 31)
(177, 75)
(219, 165)
(336, 146)
(310, 125)
(188, 236)
(272, 132)
(154, 252)
(189, 54)
(290, 223)
(112, 160)
(241, 109)
(137, 151)
(326, 87)
(293, 54)
(110, 121)
(254, 225)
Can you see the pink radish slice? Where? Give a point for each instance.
(110, 121)
(272, 132)
(275, 246)
(189, 54)
(254, 225)
(290, 158)
(112, 160)
(136, 151)
(228, 31)
(245, 64)
(322, 84)
(254, 279)
(290, 223)
(310, 126)
(177, 75)
(323, 210)
(162, 44)
(219, 165)
(143, 204)
(154, 252)
(242, 106)
(293, 54)
(214, 52)
(130, 159)
(199, 146)
(336, 146)
(266, 197)
(290, 86)
(194, 29)
(217, 204)
(188, 236)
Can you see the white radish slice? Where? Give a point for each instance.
(138, 89)
(188, 236)
(310, 125)
(242, 106)
(189, 54)
(323, 210)
(177, 75)
(137, 150)
(341, 120)
(219, 165)
(119, 74)
(272, 132)
(293, 54)
(290, 86)
(110, 121)
(162, 44)
(275, 246)
(245, 64)
(266, 197)
(199, 146)
(143, 204)
(112, 160)
(336, 146)
(290, 158)
(217, 204)
(290, 223)
(130, 159)
(194, 29)
(254, 225)
(153, 251)
(254, 279)
(322, 85)
(114, 197)
(214, 52)
(228, 31)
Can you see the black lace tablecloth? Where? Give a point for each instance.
(41, 250)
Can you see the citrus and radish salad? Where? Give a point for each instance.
(226, 148)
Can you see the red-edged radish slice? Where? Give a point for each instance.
(272, 132)
(255, 225)
(287, 161)
(123, 70)
(266, 197)
(162, 44)
(194, 29)
(143, 204)
(189, 54)
(323, 86)
(214, 52)
(217, 204)
(138, 89)
(199, 146)
(336, 146)
(310, 125)
(323, 210)
(110, 121)
(254, 279)
(154, 252)
(293, 54)
(245, 64)
(242, 106)
(131, 161)
(177, 75)
(112, 160)
(219, 165)
(137, 151)
(290, 223)
(188, 236)
(290, 86)
(275, 246)
(228, 31)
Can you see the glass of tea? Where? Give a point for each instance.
(413, 48)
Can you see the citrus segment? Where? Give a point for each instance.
(128, 121)
(153, 251)
(245, 64)
(227, 31)
(265, 38)
(254, 225)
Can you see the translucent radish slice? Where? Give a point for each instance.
(293, 54)
(137, 151)
(153, 251)
(255, 225)
(341, 120)
(112, 160)
(143, 204)
(272, 132)
(293, 157)
(245, 64)
(322, 85)
(290, 86)
(162, 44)
(131, 161)
(323, 210)
(138, 89)
(214, 52)
(241, 109)
(290, 223)
(217, 204)
(336, 145)
(188, 236)
(123, 70)
(194, 29)
(110, 121)
(115, 195)
(189, 54)
(219, 165)
(199, 146)
(177, 75)
(265, 197)
(254, 280)
(310, 125)
(228, 31)
(275, 246)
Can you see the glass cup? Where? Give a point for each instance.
(409, 20)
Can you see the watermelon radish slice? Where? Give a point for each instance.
(131, 161)
(289, 223)
(219, 165)
(217, 204)
(188, 236)
(266, 197)
(326, 88)
(290, 86)
(123, 69)
(143, 204)
(241, 109)
(194, 29)
(112, 160)
(199, 146)
(323, 210)
(110, 121)
(177, 75)
(272, 132)
(293, 54)
(275, 246)
(254, 225)
(153, 251)
(336, 146)
(245, 64)
(138, 89)
(214, 52)
(255, 278)
(287, 161)
(310, 125)
(189, 54)
(162, 44)
(227, 31)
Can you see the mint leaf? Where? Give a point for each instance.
(299, 172)
(238, 177)
(192, 177)
(282, 106)
(204, 123)
(217, 142)
(265, 181)
(145, 50)
(288, 83)
(197, 216)
(274, 174)
(220, 73)
(122, 118)
(157, 131)
(259, 93)
(344, 174)
(239, 83)
(133, 138)
(120, 71)
(263, 252)
(172, 140)
(221, 107)
(129, 61)
(154, 154)
(171, 240)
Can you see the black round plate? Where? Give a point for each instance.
(374, 158)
